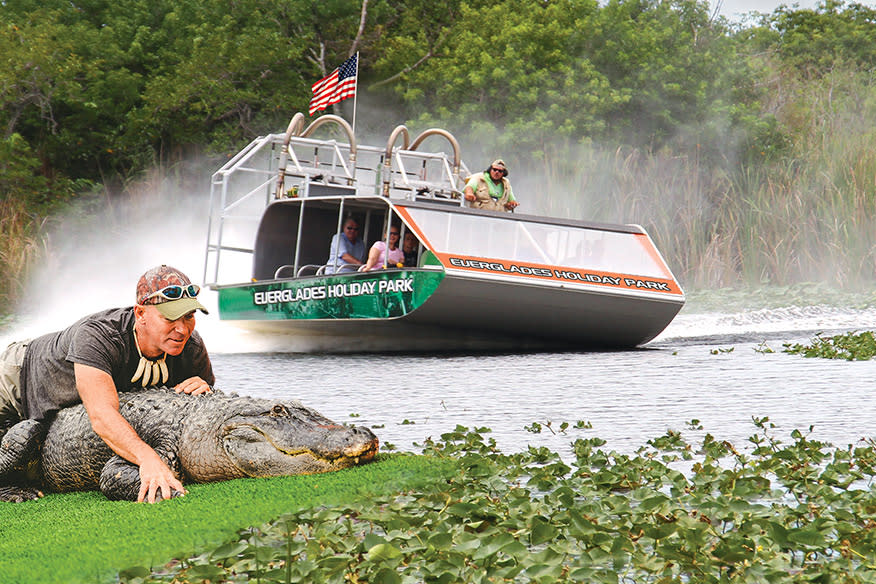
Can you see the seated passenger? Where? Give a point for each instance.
(410, 248)
(378, 256)
(346, 248)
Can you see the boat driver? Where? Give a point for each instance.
(347, 250)
(152, 343)
(491, 189)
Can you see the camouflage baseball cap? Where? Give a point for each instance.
(170, 291)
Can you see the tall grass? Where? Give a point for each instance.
(115, 231)
(807, 216)
(23, 245)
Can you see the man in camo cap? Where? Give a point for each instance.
(152, 343)
(491, 189)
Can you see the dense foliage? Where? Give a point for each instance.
(718, 137)
(672, 512)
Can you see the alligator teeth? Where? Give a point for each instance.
(147, 375)
(156, 373)
(140, 367)
(164, 374)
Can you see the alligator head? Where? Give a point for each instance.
(262, 438)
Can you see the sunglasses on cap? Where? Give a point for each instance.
(175, 292)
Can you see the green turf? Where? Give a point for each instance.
(83, 537)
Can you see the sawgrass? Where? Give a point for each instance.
(83, 537)
(23, 246)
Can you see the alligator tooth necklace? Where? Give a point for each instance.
(154, 370)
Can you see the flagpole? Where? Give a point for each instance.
(356, 95)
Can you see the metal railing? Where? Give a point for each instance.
(297, 165)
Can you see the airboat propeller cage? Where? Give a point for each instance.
(296, 124)
(481, 279)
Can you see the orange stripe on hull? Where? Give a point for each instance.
(560, 274)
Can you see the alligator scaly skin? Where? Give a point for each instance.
(205, 438)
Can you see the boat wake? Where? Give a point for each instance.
(792, 322)
(789, 324)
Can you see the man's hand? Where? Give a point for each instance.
(511, 204)
(469, 194)
(101, 401)
(154, 475)
(348, 259)
(193, 386)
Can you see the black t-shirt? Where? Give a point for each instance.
(105, 341)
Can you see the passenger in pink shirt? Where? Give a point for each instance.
(378, 258)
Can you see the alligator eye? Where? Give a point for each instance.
(279, 410)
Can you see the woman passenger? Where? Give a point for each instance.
(378, 255)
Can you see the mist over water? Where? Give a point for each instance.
(767, 323)
(96, 258)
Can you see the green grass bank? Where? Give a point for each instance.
(83, 537)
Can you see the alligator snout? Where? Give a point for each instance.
(361, 442)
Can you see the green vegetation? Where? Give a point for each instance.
(83, 537)
(672, 512)
(744, 149)
(849, 346)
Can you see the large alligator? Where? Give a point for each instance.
(205, 438)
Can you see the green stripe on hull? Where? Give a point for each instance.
(383, 294)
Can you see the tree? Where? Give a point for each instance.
(513, 70)
(817, 40)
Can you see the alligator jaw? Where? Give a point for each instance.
(257, 451)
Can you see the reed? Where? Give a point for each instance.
(806, 212)
(807, 217)
(24, 244)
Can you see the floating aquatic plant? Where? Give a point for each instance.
(721, 351)
(763, 348)
(670, 512)
(852, 346)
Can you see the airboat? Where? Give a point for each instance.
(480, 279)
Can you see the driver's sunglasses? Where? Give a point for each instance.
(496, 170)
(175, 292)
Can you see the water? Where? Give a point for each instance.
(628, 397)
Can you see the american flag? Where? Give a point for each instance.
(339, 84)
